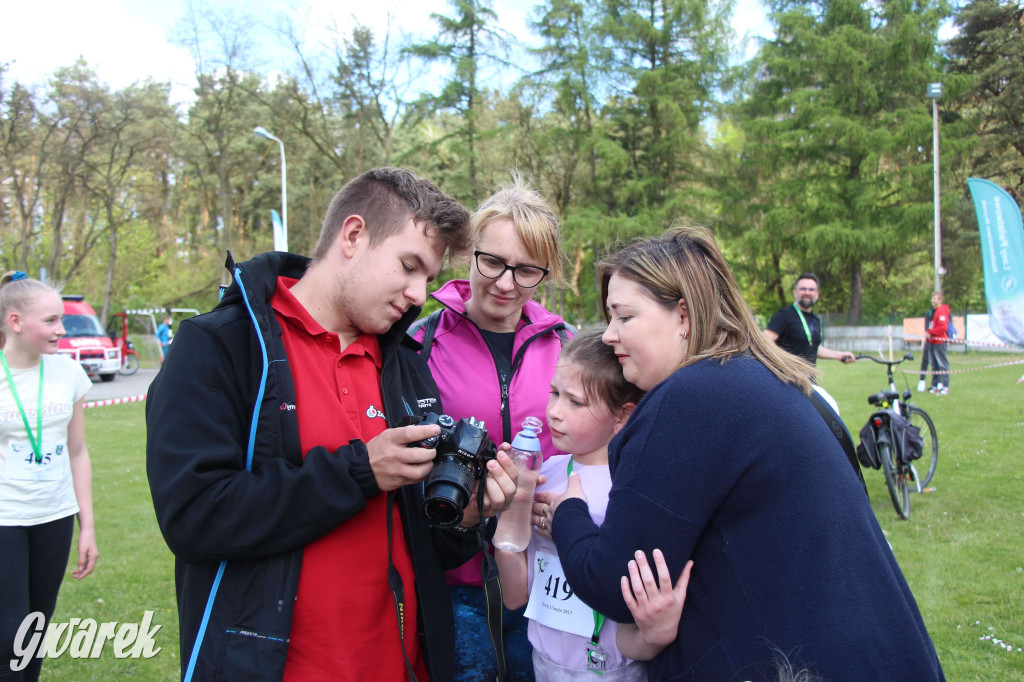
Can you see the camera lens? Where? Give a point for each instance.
(442, 512)
(447, 491)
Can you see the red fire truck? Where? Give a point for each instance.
(86, 341)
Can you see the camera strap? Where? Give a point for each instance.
(488, 575)
(397, 588)
(492, 587)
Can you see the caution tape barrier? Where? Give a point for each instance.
(982, 343)
(947, 339)
(958, 371)
(115, 401)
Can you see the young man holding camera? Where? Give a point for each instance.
(272, 436)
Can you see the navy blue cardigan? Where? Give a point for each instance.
(724, 464)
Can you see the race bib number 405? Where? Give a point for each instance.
(23, 465)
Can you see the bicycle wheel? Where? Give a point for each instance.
(895, 478)
(924, 468)
(129, 365)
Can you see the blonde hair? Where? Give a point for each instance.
(534, 220)
(686, 264)
(18, 294)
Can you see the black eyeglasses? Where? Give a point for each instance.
(492, 267)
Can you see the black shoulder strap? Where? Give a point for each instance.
(397, 588)
(839, 430)
(564, 331)
(429, 326)
(491, 579)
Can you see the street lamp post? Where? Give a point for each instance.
(280, 240)
(933, 93)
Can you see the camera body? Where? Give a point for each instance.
(463, 450)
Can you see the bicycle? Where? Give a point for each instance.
(901, 471)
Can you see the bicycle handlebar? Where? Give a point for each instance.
(889, 363)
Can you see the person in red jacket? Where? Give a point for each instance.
(938, 329)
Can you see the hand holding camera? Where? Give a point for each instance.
(464, 457)
(397, 456)
(502, 479)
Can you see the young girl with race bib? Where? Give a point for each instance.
(45, 475)
(589, 402)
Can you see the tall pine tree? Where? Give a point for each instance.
(838, 134)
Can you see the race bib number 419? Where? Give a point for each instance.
(552, 601)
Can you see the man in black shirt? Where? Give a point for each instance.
(798, 330)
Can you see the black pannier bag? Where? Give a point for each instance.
(867, 450)
(903, 432)
(908, 436)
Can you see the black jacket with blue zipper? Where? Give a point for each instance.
(237, 502)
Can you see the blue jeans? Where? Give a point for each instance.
(474, 655)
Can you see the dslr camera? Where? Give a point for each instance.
(463, 450)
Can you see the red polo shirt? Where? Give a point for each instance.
(344, 627)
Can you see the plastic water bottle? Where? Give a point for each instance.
(513, 532)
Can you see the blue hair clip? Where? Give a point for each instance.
(18, 274)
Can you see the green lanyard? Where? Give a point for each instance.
(598, 618)
(37, 442)
(800, 314)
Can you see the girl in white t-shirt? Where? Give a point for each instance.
(45, 474)
(589, 402)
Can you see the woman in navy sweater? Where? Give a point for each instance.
(726, 462)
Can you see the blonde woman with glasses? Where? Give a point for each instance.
(492, 350)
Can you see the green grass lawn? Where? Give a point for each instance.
(135, 571)
(961, 550)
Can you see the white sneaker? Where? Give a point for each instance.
(920, 386)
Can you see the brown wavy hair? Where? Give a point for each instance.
(686, 264)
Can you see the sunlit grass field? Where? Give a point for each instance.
(962, 550)
(135, 571)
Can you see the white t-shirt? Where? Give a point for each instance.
(34, 492)
(564, 648)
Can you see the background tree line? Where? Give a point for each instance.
(814, 154)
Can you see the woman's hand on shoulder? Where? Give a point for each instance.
(573, 490)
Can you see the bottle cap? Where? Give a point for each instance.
(526, 439)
